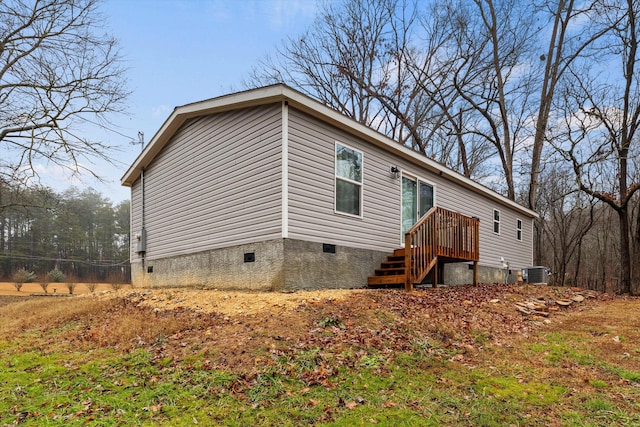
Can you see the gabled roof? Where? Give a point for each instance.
(278, 93)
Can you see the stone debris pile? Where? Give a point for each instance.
(545, 306)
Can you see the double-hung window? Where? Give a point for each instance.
(519, 229)
(348, 180)
(496, 221)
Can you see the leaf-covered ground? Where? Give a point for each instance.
(486, 355)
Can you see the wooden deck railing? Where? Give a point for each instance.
(440, 233)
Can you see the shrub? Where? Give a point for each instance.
(22, 276)
(44, 284)
(71, 286)
(56, 276)
(92, 286)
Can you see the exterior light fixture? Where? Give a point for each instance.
(395, 171)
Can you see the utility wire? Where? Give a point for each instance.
(95, 263)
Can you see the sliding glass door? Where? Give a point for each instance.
(417, 199)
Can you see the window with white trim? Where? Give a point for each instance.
(496, 221)
(348, 191)
(519, 229)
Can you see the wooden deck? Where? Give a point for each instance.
(441, 236)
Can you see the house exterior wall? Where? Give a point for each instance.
(311, 189)
(493, 246)
(215, 193)
(311, 198)
(215, 184)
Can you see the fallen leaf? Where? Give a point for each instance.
(350, 405)
(457, 358)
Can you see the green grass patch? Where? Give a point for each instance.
(557, 349)
(623, 373)
(510, 388)
(598, 384)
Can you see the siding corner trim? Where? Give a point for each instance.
(285, 169)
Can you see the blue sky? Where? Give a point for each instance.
(181, 51)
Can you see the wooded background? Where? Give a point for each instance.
(80, 233)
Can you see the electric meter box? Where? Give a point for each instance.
(141, 241)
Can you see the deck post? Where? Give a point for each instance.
(408, 285)
(475, 273)
(434, 278)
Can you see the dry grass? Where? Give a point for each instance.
(8, 288)
(89, 321)
(46, 313)
(126, 326)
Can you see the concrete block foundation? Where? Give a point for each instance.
(286, 265)
(462, 274)
(274, 265)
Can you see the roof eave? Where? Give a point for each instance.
(325, 113)
(181, 114)
(279, 93)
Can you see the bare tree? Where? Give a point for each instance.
(58, 74)
(353, 59)
(568, 41)
(493, 76)
(364, 58)
(344, 37)
(602, 120)
(460, 81)
(600, 266)
(567, 215)
(635, 250)
(571, 35)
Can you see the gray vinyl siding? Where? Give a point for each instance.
(311, 198)
(451, 196)
(312, 182)
(215, 184)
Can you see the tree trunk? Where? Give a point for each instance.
(635, 273)
(625, 255)
(538, 236)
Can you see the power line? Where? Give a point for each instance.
(94, 263)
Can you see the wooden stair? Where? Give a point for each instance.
(440, 236)
(391, 272)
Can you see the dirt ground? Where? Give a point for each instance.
(239, 303)
(242, 323)
(205, 301)
(230, 303)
